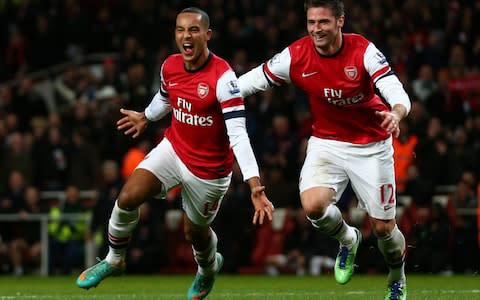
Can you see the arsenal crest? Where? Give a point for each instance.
(202, 90)
(351, 72)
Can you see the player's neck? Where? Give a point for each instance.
(332, 48)
(198, 63)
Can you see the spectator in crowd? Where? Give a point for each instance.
(268, 253)
(284, 191)
(432, 154)
(305, 250)
(31, 102)
(431, 242)
(279, 148)
(134, 156)
(7, 101)
(83, 161)
(44, 46)
(137, 88)
(465, 243)
(108, 192)
(13, 199)
(25, 248)
(462, 155)
(111, 75)
(16, 53)
(67, 234)
(65, 89)
(4, 257)
(424, 86)
(17, 156)
(404, 147)
(51, 160)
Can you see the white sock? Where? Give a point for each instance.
(393, 249)
(206, 259)
(332, 224)
(120, 226)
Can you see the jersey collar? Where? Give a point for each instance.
(210, 55)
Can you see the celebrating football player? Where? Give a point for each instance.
(352, 132)
(207, 130)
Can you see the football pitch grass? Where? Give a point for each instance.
(239, 288)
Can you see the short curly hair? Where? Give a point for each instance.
(336, 6)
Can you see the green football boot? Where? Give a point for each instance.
(92, 276)
(396, 291)
(202, 285)
(344, 264)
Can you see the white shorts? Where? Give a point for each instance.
(201, 198)
(368, 167)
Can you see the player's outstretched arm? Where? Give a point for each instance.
(391, 119)
(133, 123)
(263, 206)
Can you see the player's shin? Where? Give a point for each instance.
(205, 258)
(120, 226)
(332, 224)
(392, 247)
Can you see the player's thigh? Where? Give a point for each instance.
(157, 173)
(140, 186)
(373, 179)
(201, 198)
(323, 168)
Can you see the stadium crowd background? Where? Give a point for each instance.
(67, 67)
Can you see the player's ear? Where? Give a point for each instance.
(209, 34)
(341, 21)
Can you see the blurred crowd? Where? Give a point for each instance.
(58, 132)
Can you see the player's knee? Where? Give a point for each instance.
(188, 233)
(383, 229)
(313, 206)
(315, 201)
(130, 198)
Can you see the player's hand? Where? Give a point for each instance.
(263, 206)
(133, 123)
(390, 122)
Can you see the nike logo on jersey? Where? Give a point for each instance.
(172, 84)
(308, 74)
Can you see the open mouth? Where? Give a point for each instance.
(188, 48)
(319, 37)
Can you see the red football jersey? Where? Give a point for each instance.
(200, 100)
(340, 88)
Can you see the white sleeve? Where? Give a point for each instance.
(384, 78)
(242, 149)
(233, 109)
(158, 108)
(392, 90)
(274, 72)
